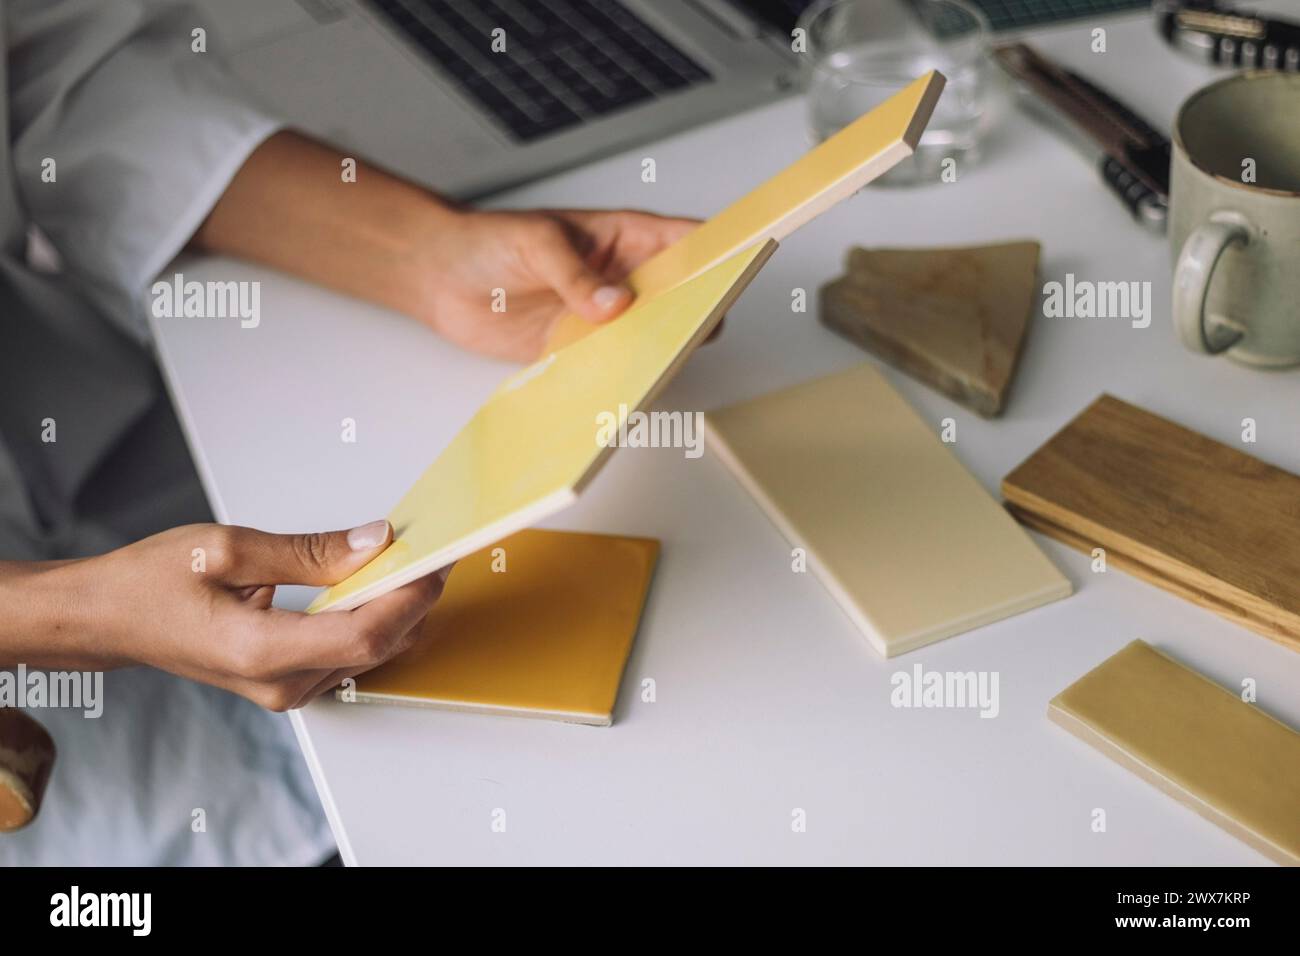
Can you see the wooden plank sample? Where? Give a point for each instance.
(905, 539)
(955, 319)
(541, 629)
(1230, 762)
(1191, 515)
(830, 172)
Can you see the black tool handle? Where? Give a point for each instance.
(1147, 206)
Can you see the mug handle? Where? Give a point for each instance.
(1192, 276)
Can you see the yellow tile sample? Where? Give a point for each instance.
(545, 634)
(834, 170)
(1198, 742)
(902, 535)
(533, 446)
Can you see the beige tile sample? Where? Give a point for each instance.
(1198, 742)
(902, 535)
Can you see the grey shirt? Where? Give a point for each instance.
(121, 138)
(144, 135)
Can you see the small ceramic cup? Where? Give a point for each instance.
(1234, 219)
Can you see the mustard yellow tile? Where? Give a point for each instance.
(545, 634)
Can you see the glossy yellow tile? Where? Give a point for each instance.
(537, 625)
(832, 171)
(1202, 744)
(532, 446)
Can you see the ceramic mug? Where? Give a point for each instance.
(1234, 219)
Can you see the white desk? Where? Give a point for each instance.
(767, 698)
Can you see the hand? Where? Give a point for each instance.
(390, 241)
(548, 262)
(196, 601)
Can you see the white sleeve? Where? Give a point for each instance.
(145, 135)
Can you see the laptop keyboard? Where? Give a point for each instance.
(1002, 14)
(1013, 14)
(565, 61)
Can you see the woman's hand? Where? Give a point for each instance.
(196, 601)
(496, 282)
(382, 238)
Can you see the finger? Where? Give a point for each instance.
(552, 255)
(640, 229)
(279, 695)
(622, 239)
(336, 677)
(644, 233)
(362, 637)
(333, 680)
(253, 558)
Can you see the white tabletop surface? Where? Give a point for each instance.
(767, 698)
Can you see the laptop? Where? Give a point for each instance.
(470, 96)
